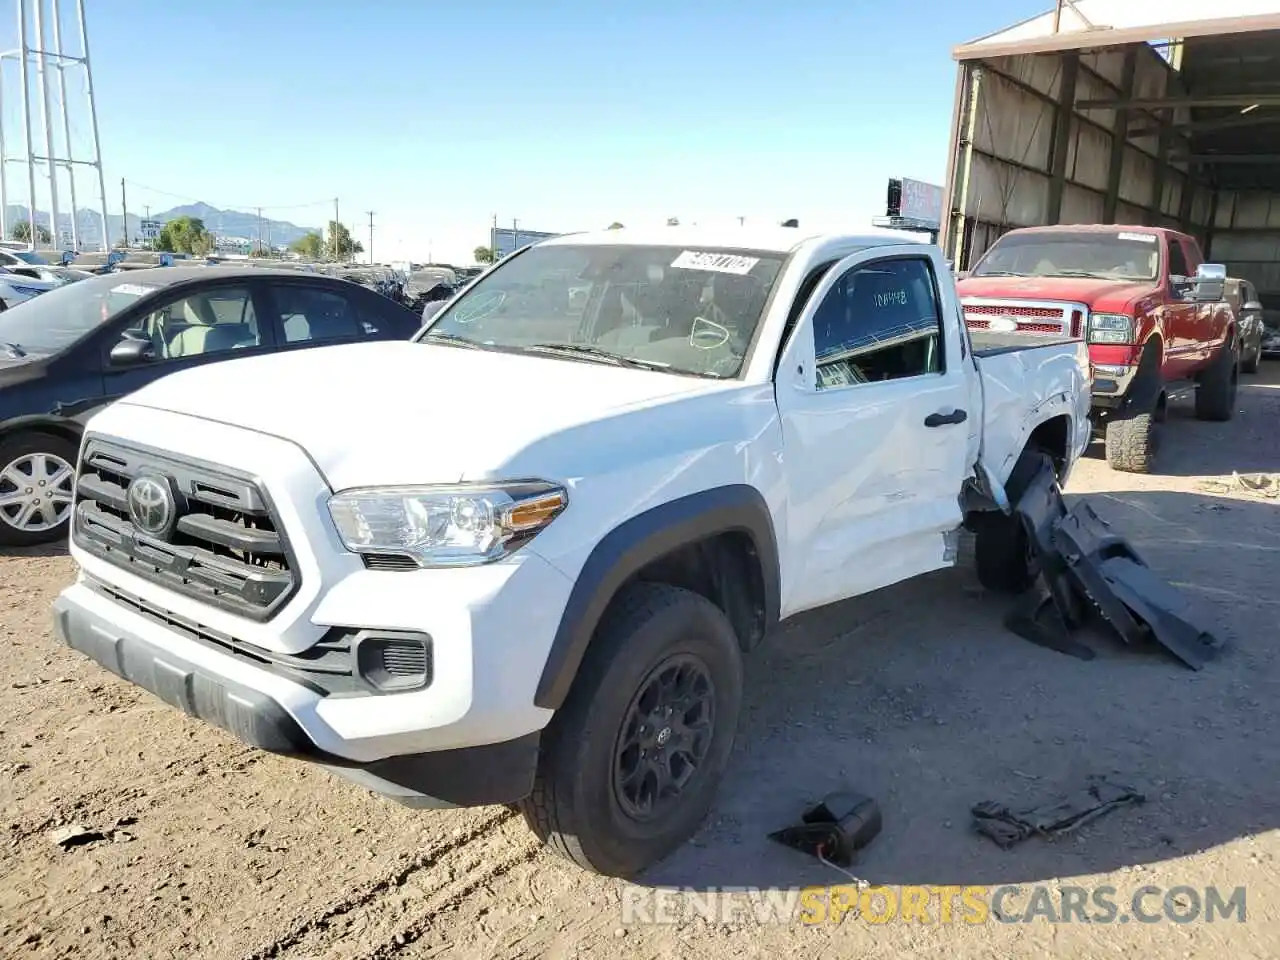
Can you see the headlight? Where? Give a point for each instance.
(446, 526)
(1110, 328)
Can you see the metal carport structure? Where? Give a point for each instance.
(1124, 111)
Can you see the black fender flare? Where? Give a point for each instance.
(1147, 382)
(735, 508)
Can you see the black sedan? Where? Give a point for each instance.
(68, 353)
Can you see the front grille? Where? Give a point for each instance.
(222, 547)
(1054, 319)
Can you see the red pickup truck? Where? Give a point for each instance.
(1151, 311)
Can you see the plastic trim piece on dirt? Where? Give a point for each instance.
(1008, 827)
(1083, 567)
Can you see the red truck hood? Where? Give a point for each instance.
(1075, 289)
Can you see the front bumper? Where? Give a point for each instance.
(262, 708)
(1111, 383)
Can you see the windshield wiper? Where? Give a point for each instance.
(452, 339)
(587, 351)
(13, 350)
(998, 273)
(1087, 274)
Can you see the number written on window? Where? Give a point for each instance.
(879, 321)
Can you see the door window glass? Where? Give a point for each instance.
(880, 321)
(211, 321)
(310, 314)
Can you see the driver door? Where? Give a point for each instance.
(879, 427)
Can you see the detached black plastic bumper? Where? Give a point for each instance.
(474, 776)
(1086, 568)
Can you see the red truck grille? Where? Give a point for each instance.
(1047, 319)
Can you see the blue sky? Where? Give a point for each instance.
(566, 115)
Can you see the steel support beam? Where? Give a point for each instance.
(1119, 137)
(1155, 211)
(1060, 145)
(1168, 103)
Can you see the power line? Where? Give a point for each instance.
(231, 206)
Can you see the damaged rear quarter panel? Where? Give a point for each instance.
(1023, 389)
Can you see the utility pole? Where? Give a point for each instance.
(333, 232)
(493, 240)
(124, 220)
(515, 234)
(259, 209)
(370, 212)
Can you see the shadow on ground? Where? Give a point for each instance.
(920, 698)
(1196, 448)
(58, 549)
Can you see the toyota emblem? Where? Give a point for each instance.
(151, 506)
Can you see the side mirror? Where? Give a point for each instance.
(130, 352)
(1209, 282)
(1253, 306)
(962, 274)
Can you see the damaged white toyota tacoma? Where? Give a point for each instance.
(519, 559)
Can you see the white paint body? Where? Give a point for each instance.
(861, 493)
(16, 289)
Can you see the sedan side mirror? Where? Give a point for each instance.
(130, 352)
(1209, 282)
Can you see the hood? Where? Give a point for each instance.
(1076, 289)
(396, 412)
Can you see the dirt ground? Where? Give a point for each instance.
(916, 696)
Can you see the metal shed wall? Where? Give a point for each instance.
(1008, 148)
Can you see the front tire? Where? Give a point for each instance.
(37, 478)
(631, 761)
(1132, 442)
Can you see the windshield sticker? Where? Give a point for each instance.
(1140, 237)
(715, 262)
(133, 289)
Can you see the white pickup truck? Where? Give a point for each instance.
(519, 559)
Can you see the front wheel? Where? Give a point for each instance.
(631, 762)
(37, 480)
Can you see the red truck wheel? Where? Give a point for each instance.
(1216, 392)
(1132, 442)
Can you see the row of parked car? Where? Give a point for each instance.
(74, 346)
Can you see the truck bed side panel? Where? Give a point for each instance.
(1023, 389)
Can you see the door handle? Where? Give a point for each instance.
(945, 419)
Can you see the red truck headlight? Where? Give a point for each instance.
(1110, 328)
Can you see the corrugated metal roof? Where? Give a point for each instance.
(1101, 23)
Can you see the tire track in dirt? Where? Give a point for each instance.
(311, 933)
(518, 851)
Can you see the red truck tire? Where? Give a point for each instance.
(1216, 391)
(1132, 442)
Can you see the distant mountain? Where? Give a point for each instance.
(227, 223)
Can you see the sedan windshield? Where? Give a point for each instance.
(656, 307)
(51, 322)
(1104, 256)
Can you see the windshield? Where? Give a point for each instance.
(28, 257)
(1106, 256)
(54, 320)
(687, 311)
